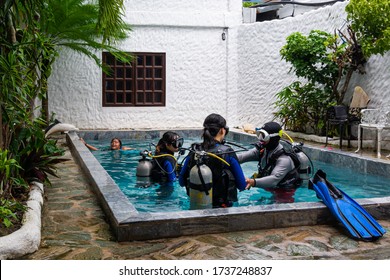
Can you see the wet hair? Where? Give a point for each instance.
(211, 126)
(167, 138)
(119, 140)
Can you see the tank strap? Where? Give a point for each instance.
(205, 187)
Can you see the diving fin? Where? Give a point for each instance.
(359, 223)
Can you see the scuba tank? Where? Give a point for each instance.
(145, 166)
(144, 171)
(200, 185)
(305, 164)
(305, 168)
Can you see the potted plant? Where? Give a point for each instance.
(248, 13)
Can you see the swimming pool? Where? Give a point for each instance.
(121, 166)
(128, 223)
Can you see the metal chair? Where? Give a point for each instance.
(373, 119)
(337, 115)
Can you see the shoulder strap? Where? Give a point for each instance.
(274, 157)
(219, 149)
(295, 159)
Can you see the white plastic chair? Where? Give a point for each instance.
(373, 119)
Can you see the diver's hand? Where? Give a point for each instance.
(249, 183)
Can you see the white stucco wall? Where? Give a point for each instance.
(262, 73)
(237, 78)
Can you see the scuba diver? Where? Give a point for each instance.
(280, 172)
(164, 161)
(211, 171)
(161, 167)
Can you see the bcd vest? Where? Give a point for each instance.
(223, 182)
(158, 174)
(292, 179)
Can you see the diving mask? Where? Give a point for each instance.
(178, 143)
(265, 137)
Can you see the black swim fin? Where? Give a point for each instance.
(359, 223)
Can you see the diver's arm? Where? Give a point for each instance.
(127, 148)
(170, 170)
(88, 146)
(236, 169)
(184, 173)
(250, 155)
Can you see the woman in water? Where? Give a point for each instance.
(116, 144)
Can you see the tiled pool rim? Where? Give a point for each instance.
(128, 224)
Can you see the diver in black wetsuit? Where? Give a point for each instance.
(278, 172)
(164, 161)
(227, 175)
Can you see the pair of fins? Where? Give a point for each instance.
(359, 223)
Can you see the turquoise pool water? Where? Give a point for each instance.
(121, 166)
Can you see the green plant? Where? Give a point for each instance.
(8, 210)
(36, 155)
(311, 58)
(326, 63)
(41, 27)
(248, 4)
(31, 33)
(370, 20)
(301, 107)
(16, 87)
(9, 171)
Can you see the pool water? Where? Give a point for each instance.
(121, 166)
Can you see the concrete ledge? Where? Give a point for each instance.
(369, 140)
(27, 239)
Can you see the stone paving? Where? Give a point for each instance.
(74, 228)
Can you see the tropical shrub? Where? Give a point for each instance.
(9, 171)
(301, 107)
(36, 155)
(9, 206)
(31, 33)
(370, 20)
(9, 211)
(313, 58)
(326, 62)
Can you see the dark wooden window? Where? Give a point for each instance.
(141, 83)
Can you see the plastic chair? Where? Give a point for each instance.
(373, 119)
(337, 115)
